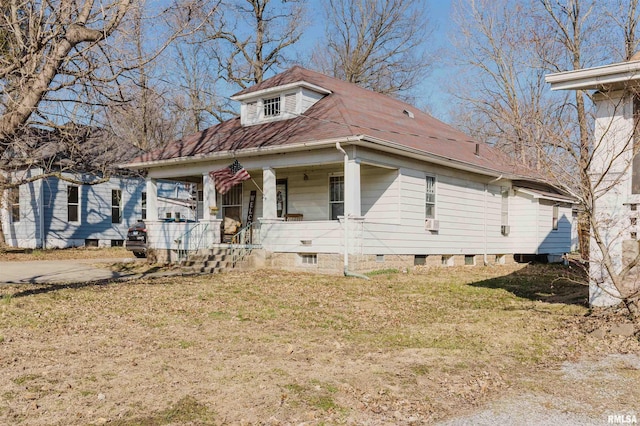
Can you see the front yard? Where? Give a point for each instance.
(272, 347)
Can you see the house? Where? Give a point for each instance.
(54, 209)
(614, 172)
(345, 179)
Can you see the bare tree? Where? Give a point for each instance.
(63, 61)
(378, 44)
(504, 101)
(249, 38)
(625, 16)
(197, 102)
(140, 113)
(50, 46)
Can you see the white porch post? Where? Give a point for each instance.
(209, 195)
(352, 204)
(152, 200)
(209, 205)
(269, 207)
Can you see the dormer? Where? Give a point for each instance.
(278, 102)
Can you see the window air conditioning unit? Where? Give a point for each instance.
(431, 225)
(505, 229)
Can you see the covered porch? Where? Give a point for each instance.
(284, 208)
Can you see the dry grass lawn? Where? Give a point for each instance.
(276, 348)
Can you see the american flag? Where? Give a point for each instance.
(229, 176)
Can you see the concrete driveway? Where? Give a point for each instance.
(58, 271)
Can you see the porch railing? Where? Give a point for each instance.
(193, 240)
(244, 241)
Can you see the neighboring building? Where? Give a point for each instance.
(52, 212)
(339, 168)
(614, 170)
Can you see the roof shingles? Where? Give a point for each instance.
(348, 111)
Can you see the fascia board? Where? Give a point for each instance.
(593, 78)
(280, 89)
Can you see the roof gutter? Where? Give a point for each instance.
(303, 146)
(593, 78)
(392, 147)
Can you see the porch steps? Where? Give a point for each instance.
(216, 260)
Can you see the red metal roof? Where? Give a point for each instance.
(346, 112)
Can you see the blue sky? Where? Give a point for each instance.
(431, 93)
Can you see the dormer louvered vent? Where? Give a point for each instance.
(290, 103)
(252, 111)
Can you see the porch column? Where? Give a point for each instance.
(269, 207)
(352, 204)
(209, 196)
(152, 200)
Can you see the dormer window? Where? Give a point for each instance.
(279, 102)
(271, 107)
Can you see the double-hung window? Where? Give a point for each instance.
(116, 206)
(336, 196)
(14, 203)
(144, 205)
(73, 203)
(430, 197)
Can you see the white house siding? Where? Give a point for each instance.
(380, 194)
(27, 232)
(303, 237)
(554, 241)
(309, 98)
(462, 208)
(310, 196)
(523, 223)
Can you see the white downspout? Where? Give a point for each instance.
(346, 219)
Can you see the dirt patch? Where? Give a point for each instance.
(278, 348)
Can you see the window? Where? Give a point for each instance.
(555, 218)
(420, 259)
(117, 243)
(144, 205)
(167, 215)
(177, 215)
(281, 197)
(271, 107)
(430, 197)
(200, 204)
(72, 203)
(469, 260)
(309, 259)
(336, 196)
(14, 202)
(116, 206)
(91, 242)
